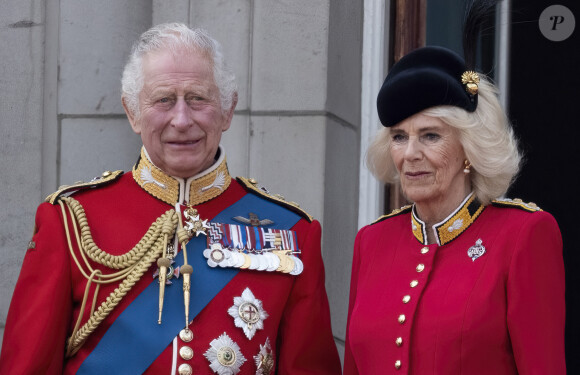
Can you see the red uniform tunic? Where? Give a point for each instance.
(48, 294)
(488, 298)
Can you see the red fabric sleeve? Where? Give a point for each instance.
(305, 341)
(39, 314)
(536, 307)
(349, 363)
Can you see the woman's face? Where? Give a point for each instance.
(430, 160)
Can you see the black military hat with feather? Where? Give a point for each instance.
(433, 76)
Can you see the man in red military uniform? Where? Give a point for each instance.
(176, 267)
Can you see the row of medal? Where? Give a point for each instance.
(266, 260)
(254, 248)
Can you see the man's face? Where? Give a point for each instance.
(180, 119)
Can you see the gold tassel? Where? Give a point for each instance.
(163, 263)
(186, 270)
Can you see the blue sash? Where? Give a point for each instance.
(135, 339)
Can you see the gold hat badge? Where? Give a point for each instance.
(471, 81)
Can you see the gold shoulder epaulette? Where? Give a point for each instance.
(252, 185)
(517, 203)
(395, 212)
(104, 179)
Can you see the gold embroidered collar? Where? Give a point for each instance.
(172, 190)
(450, 228)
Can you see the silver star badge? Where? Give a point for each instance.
(248, 313)
(476, 250)
(194, 225)
(224, 356)
(264, 359)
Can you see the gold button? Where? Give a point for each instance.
(406, 298)
(186, 353)
(414, 283)
(399, 341)
(397, 364)
(424, 250)
(253, 181)
(402, 318)
(107, 173)
(186, 335)
(420, 267)
(185, 369)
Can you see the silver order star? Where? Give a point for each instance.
(248, 313)
(224, 356)
(264, 359)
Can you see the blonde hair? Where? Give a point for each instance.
(487, 139)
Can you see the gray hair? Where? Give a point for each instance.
(487, 139)
(175, 36)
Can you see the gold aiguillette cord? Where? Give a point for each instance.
(183, 235)
(163, 263)
(186, 270)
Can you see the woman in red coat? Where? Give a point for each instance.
(462, 281)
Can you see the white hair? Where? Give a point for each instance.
(176, 36)
(487, 139)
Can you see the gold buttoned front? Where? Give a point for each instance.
(185, 369)
(406, 298)
(402, 318)
(424, 250)
(186, 353)
(397, 364)
(399, 341)
(186, 335)
(420, 267)
(414, 283)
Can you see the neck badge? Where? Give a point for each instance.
(193, 224)
(171, 273)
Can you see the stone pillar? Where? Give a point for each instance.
(21, 74)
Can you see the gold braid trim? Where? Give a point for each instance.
(133, 264)
(102, 257)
